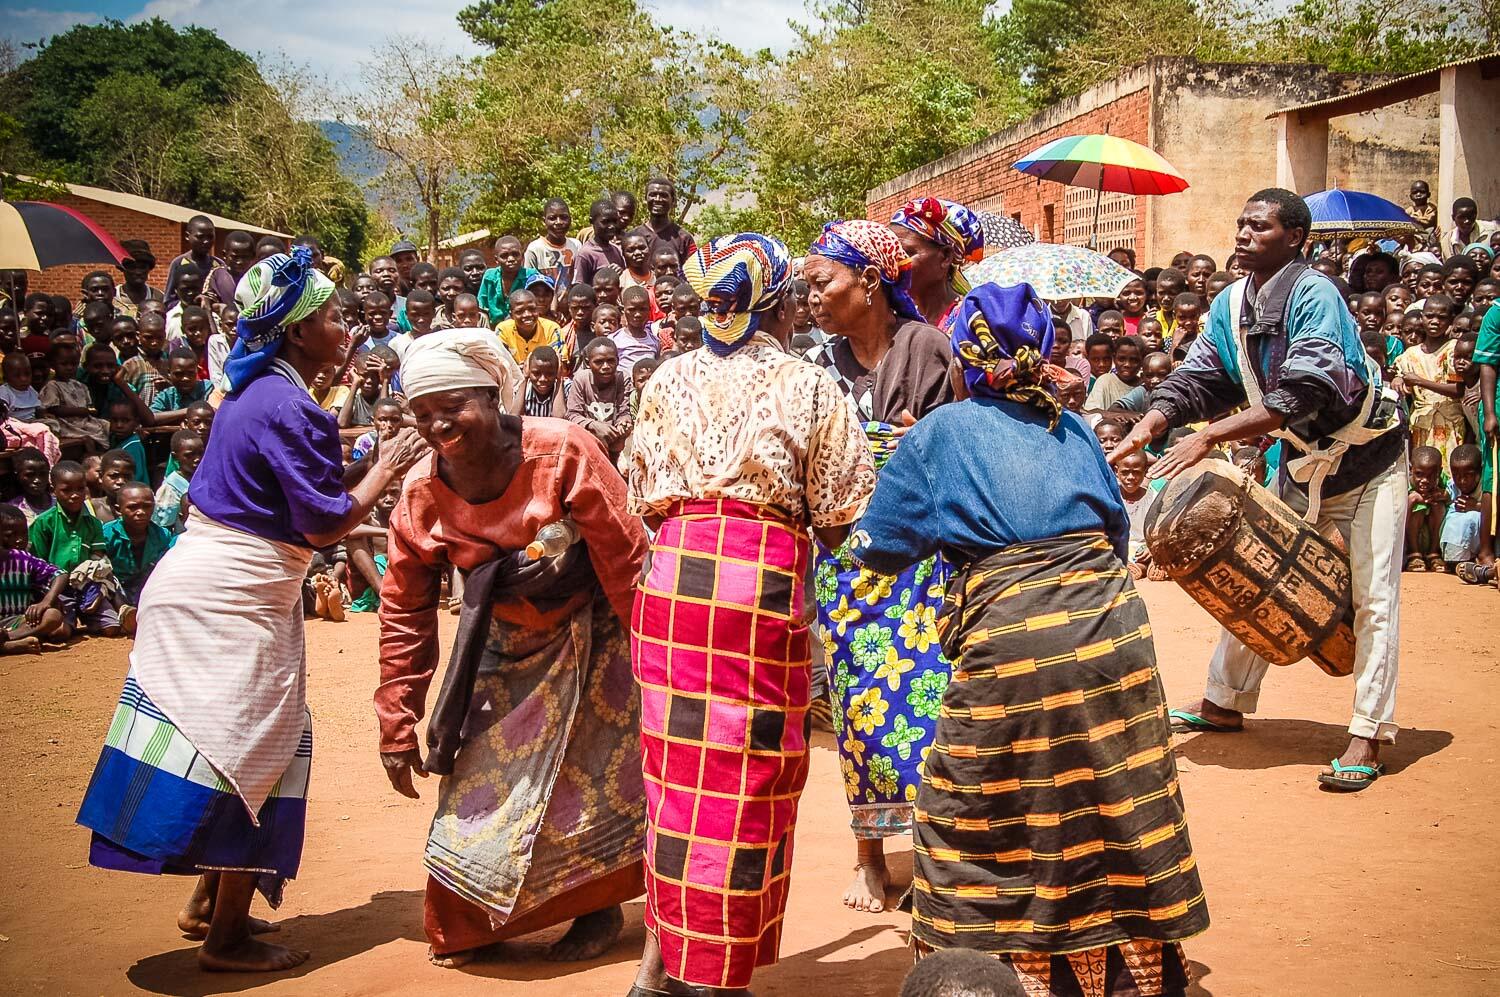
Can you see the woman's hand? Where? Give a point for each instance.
(399, 766)
(401, 451)
(1183, 455)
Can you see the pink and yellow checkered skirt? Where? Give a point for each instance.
(723, 664)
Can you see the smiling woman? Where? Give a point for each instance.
(539, 691)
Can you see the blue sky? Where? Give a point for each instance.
(333, 37)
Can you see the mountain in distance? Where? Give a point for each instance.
(358, 157)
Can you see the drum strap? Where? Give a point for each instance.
(1316, 462)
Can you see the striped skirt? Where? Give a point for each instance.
(1049, 821)
(723, 665)
(157, 806)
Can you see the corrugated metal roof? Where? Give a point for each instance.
(464, 239)
(1388, 84)
(160, 209)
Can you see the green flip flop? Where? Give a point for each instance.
(1183, 722)
(1337, 781)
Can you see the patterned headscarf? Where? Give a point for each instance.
(1002, 339)
(278, 291)
(738, 277)
(950, 225)
(859, 243)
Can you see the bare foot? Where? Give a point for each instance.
(250, 956)
(25, 645)
(867, 892)
(451, 960)
(591, 936)
(195, 926)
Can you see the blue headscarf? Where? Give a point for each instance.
(1002, 339)
(861, 243)
(278, 291)
(738, 277)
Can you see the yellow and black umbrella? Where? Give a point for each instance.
(35, 235)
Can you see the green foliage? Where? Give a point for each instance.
(1370, 36)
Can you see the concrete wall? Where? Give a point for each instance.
(1383, 151)
(1470, 109)
(1210, 121)
(164, 236)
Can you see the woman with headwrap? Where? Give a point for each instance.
(939, 237)
(206, 763)
(540, 814)
(1049, 827)
(740, 448)
(887, 672)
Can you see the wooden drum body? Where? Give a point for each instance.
(1257, 567)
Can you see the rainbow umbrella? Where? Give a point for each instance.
(1103, 162)
(35, 235)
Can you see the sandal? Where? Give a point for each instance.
(1336, 779)
(1415, 564)
(1474, 573)
(1436, 564)
(1183, 722)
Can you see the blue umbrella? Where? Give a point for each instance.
(1347, 213)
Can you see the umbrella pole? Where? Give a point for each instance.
(1098, 202)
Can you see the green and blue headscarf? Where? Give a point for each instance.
(277, 292)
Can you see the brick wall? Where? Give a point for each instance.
(164, 235)
(983, 174)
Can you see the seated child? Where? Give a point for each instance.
(124, 435)
(366, 545)
(33, 477)
(325, 592)
(184, 387)
(598, 399)
(171, 507)
(70, 537)
(135, 544)
(116, 470)
(98, 501)
(388, 416)
(1459, 537)
(1427, 507)
(543, 394)
(30, 590)
(20, 398)
(66, 402)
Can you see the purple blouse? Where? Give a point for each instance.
(274, 467)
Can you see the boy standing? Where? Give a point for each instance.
(552, 252)
(501, 281)
(634, 340)
(600, 250)
(598, 399)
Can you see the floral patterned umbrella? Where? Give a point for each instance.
(1056, 272)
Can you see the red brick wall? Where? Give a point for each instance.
(164, 236)
(992, 174)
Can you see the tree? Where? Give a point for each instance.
(414, 108)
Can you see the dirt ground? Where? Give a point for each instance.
(1391, 892)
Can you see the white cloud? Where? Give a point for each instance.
(747, 24)
(31, 24)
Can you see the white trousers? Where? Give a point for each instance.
(1372, 520)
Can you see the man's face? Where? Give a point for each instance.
(405, 260)
(603, 363)
(1155, 370)
(1261, 242)
(200, 238)
(543, 375)
(98, 289)
(420, 314)
(508, 253)
(660, 199)
(634, 248)
(183, 374)
(70, 490)
(473, 265)
(635, 312)
(135, 272)
(237, 256)
(386, 275)
(1127, 364)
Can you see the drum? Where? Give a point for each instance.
(1257, 567)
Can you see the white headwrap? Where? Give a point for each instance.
(458, 358)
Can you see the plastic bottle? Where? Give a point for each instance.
(553, 539)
